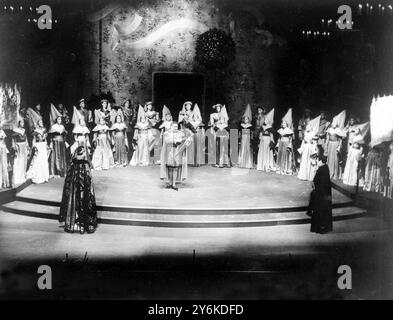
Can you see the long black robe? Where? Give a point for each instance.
(321, 202)
(78, 204)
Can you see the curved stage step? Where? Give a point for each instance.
(184, 219)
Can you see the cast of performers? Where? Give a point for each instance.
(141, 155)
(285, 145)
(58, 146)
(355, 153)
(102, 156)
(39, 167)
(245, 153)
(78, 205)
(4, 178)
(333, 151)
(176, 144)
(120, 141)
(309, 150)
(320, 207)
(21, 148)
(265, 160)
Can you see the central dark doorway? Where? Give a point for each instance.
(174, 88)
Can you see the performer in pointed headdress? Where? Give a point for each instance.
(21, 149)
(58, 146)
(222, 136)
(141, 156)
(285, 145)
(265, 161)
(120, 141)
(176, 144)
(102, 112)
(199, 137)
(39, 168)
(350, 130)
(85, 113)
(355, 154)
(153, 118)
(166, 119)
(4, 178)
(185, 120)
(102, 156)
(309, 150)
(333, 151)
(245, 152)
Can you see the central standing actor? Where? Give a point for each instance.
(176, 144)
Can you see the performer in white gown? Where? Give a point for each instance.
(285, 145)
(120, 141)
(245, 153)
(199, 137)
(141, 156)
(355, 153)
(102, 156)
(39, 167)
(334, 136)
(265, 160)
(222, 139)
(309, 150)
(4, 178)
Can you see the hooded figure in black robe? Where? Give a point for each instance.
(320, 207)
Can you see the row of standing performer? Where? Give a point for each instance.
(122, 136)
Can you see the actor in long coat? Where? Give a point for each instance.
(321, 199)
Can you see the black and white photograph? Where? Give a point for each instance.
(196, 150)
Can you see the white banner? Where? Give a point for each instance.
(381, 120)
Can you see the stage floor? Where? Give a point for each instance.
(206, 188)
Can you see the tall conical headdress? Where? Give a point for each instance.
(313, 125)
(76, 116)
(269, 118)
(54, 114)
(165, 112)
(141, 113)
(247, 113)
(288, 118)
(340, 119)
(34, 116)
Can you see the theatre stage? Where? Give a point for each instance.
(211, 197)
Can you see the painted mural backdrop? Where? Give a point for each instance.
(161, 36)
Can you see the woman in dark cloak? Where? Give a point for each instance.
(78, 204)
(320, 207)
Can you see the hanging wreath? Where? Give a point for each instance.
(214, 49)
